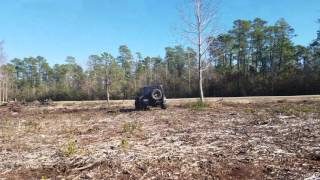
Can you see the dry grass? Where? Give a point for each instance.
(221, 140)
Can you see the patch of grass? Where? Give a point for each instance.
(130, 127)
(261, 119)
(296, 110)
(198, 105)
(249, 110)
(45, 111)
(124, 144)
(7, 136)
(288, 110)
(68, 104)
(32, 127)
(70, 148)
(113, 113)
(5, 121)
(84, 118)
(308, 109)
(70, 130)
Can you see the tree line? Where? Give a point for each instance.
(253, 58)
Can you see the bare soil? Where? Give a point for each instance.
(274, 140)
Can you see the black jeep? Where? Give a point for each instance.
(151, 96)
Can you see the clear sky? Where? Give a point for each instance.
(59, 28)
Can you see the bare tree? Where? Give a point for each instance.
(2, 57)
(199, 27)
(3, 80)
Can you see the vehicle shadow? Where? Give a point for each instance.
(127, 110)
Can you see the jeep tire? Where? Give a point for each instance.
(156, 94)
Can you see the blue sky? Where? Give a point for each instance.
(59, 28)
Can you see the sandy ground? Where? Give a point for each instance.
(245, 139)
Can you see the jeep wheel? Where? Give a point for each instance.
(137, 107)
(137, 104)
(156, 94)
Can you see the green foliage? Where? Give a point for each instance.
(296, 110)
(124, 144)
(249, 110)
(181, 70)
(198, 105)
(71, 148)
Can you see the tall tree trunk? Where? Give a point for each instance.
(199, 67)
(199, 20)
(280, 56)
(272, 71)
(230, 60)
(0, 91)
(108, 97)
(200, 86)
(238, 62)
(6, 91)
(200, 70)
(189, 76)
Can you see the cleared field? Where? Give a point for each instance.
(231, 138)
(243, 100)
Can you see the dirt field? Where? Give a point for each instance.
(248, 139)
